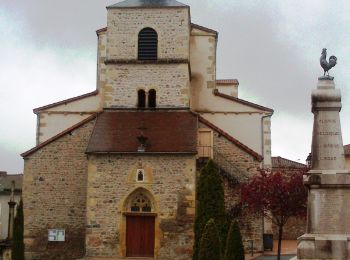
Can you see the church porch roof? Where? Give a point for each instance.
(166, 132)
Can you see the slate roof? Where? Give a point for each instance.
(167, 132)
(347, 149)
(6, 182)
(147, 3)
(280, 162)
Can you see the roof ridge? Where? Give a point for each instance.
(280, 158)
(242, 101)
(58, 136)
(229, 137)
(65, 101)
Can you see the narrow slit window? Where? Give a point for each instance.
(152, 98)
(141, 102)
(148, 44)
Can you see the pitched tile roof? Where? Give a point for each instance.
(6, 182)
(227, 82)
(147, 3)
(166, 132)
(242, 101)
(280, 162)
(230, 138)
(54, 138)
(347, 149)
(66, 101)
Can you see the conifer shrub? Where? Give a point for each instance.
(18, 244)
(210, 244)
(234, 245)
(210, 204)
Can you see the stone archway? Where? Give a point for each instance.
(140, 216)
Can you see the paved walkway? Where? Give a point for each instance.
(289, 249)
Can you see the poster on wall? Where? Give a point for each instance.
(57, 235)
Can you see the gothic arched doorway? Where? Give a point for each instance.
(140, 225)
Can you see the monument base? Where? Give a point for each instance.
(324, 246)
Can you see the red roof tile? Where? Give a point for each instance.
(227, 82)
(280, 162)
(230, 138)
(242, 101)
(167, 132)
(66, 101)
(54, 138)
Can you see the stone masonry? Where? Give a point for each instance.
(169, 182)
(171, 81)
(171, 24)
(54, 196)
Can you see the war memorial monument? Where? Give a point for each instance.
(328, 182)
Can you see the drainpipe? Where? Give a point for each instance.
(12, 205)
(262, 137)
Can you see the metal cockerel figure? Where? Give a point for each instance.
(327, 65)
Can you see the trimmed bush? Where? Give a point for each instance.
(210, 243)
(234, 245)
(210, 204)
(18, 244)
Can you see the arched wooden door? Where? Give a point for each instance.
(140, 235)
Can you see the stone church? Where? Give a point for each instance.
(113, 174)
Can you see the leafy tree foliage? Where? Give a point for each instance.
(276, 197)
(18, 244)
(234, 245)
(210, 204)
(210, 245)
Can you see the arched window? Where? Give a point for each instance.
(141, 99)
(140, 203)
(152, 98)
(147, 44)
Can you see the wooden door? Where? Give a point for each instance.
(140, 236)
(204, 143)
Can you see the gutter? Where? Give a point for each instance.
(262, 137)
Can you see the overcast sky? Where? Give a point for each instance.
(48, 53)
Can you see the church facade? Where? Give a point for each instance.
(114, 171)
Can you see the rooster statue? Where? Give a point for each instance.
(327, 65)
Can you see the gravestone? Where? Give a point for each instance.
(328, 226)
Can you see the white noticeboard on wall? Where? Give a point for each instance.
(57, 235)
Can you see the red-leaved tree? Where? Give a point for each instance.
(277, 197)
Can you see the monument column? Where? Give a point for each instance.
(328, 226)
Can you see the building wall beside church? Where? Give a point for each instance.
(169, 181)
(54, 196)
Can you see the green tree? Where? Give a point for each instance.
(234, 245)
(210, 245)
(210, 204)
(18, 244)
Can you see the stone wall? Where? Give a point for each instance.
(171, 24)
(247, 165)
(171, 82)
(169, 181)
(54, 196)
(294, 228)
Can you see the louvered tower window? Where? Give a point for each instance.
(148, 44)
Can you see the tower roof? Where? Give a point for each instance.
(147, 4)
